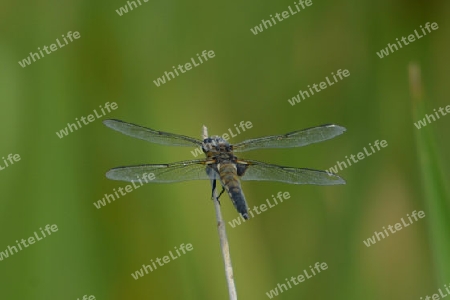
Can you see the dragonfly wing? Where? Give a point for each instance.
(165, 173)
(254, 170)
(293, 139)
(152, 136)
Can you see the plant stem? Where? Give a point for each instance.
(223, 240)
(437, 196)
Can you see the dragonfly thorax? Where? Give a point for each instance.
(216, 145)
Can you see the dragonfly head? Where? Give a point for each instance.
(215, 145)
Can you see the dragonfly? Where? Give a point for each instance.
(221, 165)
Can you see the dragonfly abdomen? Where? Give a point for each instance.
(232, 185)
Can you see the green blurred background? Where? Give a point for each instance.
(250, 79)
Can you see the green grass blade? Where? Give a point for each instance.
(436, 195)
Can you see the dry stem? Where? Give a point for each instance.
(223, 240)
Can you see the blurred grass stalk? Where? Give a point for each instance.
(436, 194)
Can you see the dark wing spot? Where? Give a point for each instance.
(240, 168)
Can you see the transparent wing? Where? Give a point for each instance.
(165, 173)
(293, 139)
(152, 136)
(255, 170)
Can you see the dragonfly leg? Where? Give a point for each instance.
(223, 190)
(214, 185)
